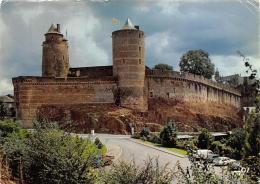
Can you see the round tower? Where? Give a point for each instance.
(129, 65)
(55, 54)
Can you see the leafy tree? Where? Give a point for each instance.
(168, 135)
(237, 141)
(197, 62)
(254, 138)
(3, 110)
(163, 66)
(254, 125)
(205, 139)
(217, 76)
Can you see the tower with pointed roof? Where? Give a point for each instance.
(129, 65)
(55, 55)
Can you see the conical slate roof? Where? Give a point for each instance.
(53, 29)
(128, 24)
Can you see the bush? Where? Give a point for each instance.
(100, 146)
(168, 135)
(237, 141)
(136, 136)
(205, 139)
(145, 132)
(130, 173)
(254, 137)
(217, 147)
(154, 138)
(11, 128)
(52, 156)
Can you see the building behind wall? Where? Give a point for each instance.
(127, 83)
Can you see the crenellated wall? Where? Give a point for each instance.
(189, 87)
(33, 92)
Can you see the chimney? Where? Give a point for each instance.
(136, 27)
(58, 27)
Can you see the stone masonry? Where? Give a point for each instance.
(128, 81)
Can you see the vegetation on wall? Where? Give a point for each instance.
(162, 66)
(197, 62)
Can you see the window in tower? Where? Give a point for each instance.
(140, 61)
(151, 94)
(140, 49)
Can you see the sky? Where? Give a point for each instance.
(172, 27)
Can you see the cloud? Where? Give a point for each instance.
(5, 87)
(233, 64)
(171, 28)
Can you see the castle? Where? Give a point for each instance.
(128, 83)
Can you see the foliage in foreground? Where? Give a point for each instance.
(49, 155)
(129, 173)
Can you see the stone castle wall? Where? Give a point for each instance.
(33, 92)
(190, 88)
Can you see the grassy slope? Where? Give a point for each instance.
(175, 150)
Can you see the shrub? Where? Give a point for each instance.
(254, 137)
(168, 135)
(205, 139)
(154, 138)
(130, 173)
(145, 132)
(217, 147)
(11, 128)
(237, 141)
(52, 156)
(100, 146)
(136, 136)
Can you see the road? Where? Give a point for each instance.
(139, 153)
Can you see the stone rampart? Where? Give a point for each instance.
(189, 87)
(33, 92)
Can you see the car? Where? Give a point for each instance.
(205, 155)
(223, 161)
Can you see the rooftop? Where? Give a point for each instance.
(128, 24)
(6, 99)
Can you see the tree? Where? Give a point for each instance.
(254, 137)
(237, 141)
(205, 139)
(163, 66)
(3, 110)
(197, 62)
(168, 135)
(217, 76)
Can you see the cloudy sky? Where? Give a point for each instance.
(172, 27)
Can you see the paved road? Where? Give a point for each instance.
(139, 153)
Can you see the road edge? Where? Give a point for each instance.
(159, 149)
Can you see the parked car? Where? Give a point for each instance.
(223, 161)
(205, 155)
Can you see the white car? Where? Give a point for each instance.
(223, 161)
(205, 154)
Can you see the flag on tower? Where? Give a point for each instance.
(115, 21)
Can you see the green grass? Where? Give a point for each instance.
(175, 150)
